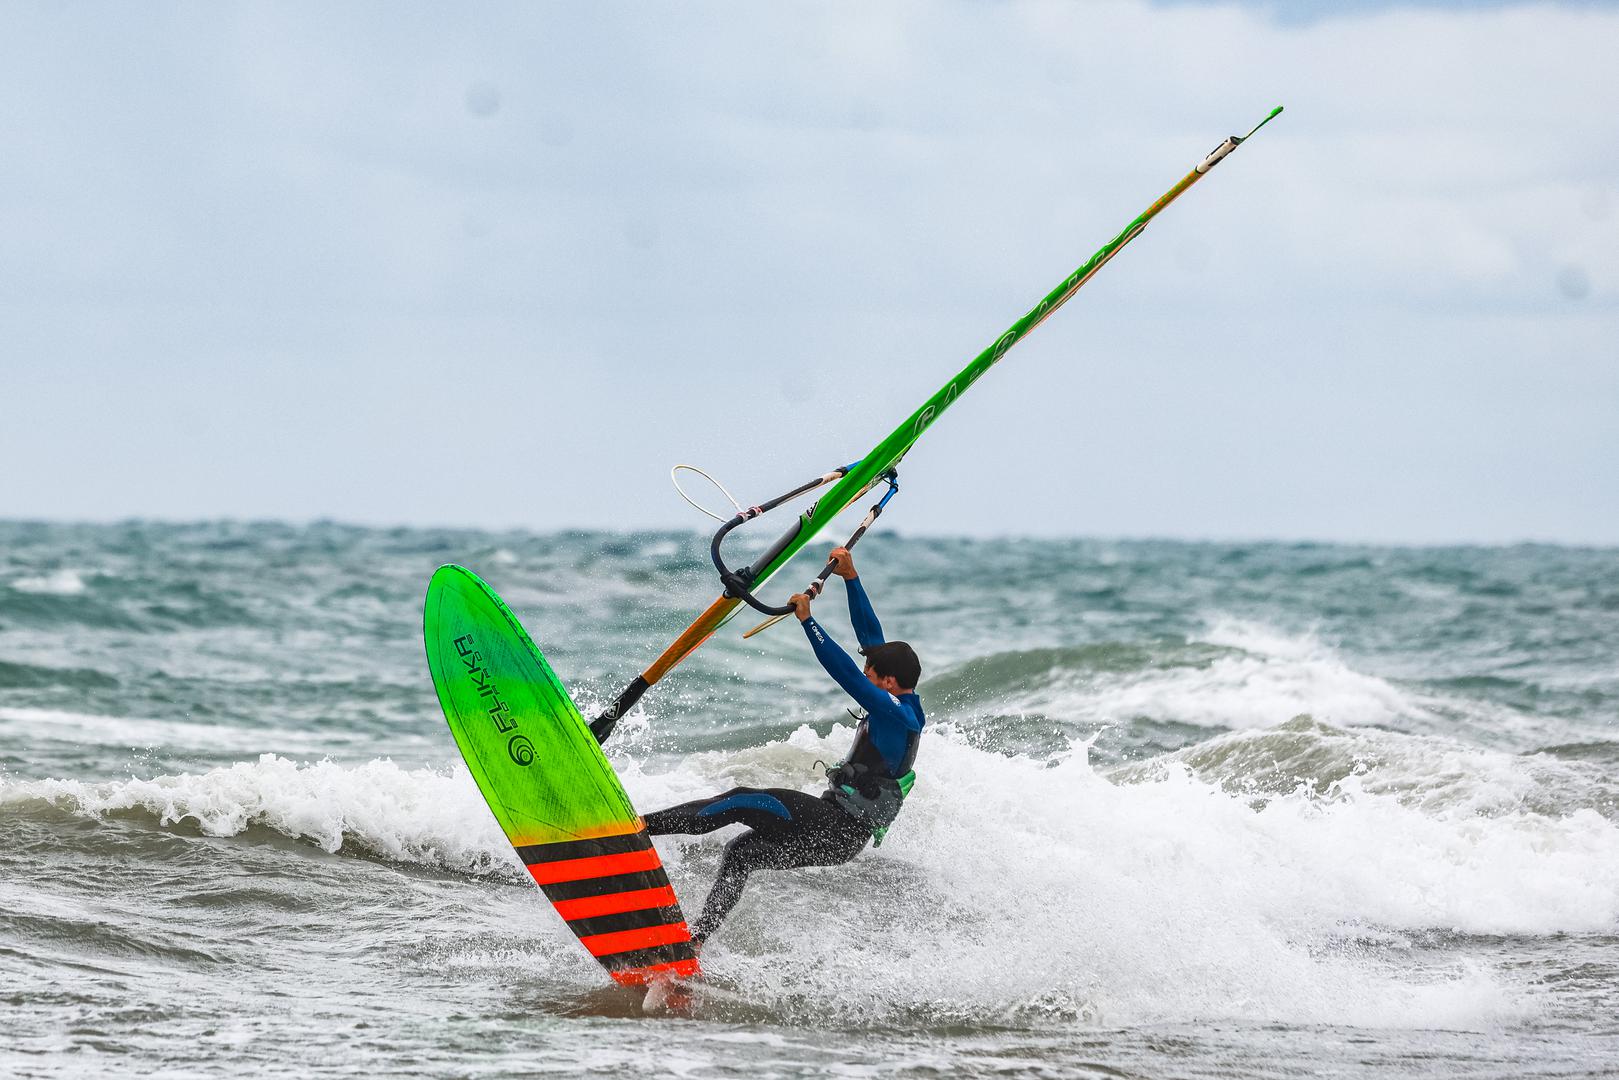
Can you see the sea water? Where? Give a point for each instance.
(1182, 810)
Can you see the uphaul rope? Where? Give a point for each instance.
(851, 481)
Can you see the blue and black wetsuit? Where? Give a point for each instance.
(789, 828)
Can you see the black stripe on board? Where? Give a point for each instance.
(626, 920)
(639, 958)
(584, 849)
(601, 886)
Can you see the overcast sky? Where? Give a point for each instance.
(502, 265)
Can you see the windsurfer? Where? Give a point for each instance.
(788, 828)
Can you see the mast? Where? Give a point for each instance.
(849, 482)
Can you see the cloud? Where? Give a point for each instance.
(501, 265)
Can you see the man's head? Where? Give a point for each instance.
(893, 666)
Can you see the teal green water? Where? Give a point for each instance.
(1183, 810)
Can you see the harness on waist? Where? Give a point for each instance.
(869, 788)
(868, 796)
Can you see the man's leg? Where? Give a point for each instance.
(743, 856)
(757, 808)
(819, 834)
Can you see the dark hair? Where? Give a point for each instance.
(897, 659)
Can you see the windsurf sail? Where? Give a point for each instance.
(849, 482)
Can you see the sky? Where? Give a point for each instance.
(501, 265)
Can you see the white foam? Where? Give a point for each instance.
(414, 815)
(1268, 678)
(1256, 691)
(1024, 890)
(135, 732)
(1047, 888)
(1258, 678)
(1436, 774)
(1274, 678)
(55, 583)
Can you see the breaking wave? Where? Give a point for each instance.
(1274, 875)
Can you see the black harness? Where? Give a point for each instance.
(863, 787)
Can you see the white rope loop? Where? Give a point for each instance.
(674, 478)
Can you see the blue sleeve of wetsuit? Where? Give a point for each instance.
(867, 630)
(885, 716)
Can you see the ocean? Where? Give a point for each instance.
(1182, 810)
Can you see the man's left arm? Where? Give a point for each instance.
(867, 630)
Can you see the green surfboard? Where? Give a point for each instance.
(549, 785)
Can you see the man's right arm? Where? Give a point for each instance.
(844, 671)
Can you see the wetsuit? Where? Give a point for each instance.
(789, 828)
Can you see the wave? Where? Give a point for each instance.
(1437, 775)
(410, 815)
(1234, 675)
(1050, 888)
(31, 676)
(1605, 752)
(56, 583)
(42, 727)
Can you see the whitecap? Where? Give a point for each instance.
(56, 583)
(1043, 887)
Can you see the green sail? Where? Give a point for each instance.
(887, 454)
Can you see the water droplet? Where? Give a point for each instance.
(1573, 282)
(1597, 203)
(864, 116)
(556, 131)
(641, 232)
(483, 99)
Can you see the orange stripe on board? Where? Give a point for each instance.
(629, 940)
(616, 903)
(680, 969)
(595, 866)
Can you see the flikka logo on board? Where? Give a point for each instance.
(518, 747)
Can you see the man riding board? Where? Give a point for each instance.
(788, 828)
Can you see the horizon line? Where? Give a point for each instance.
(898, 534)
